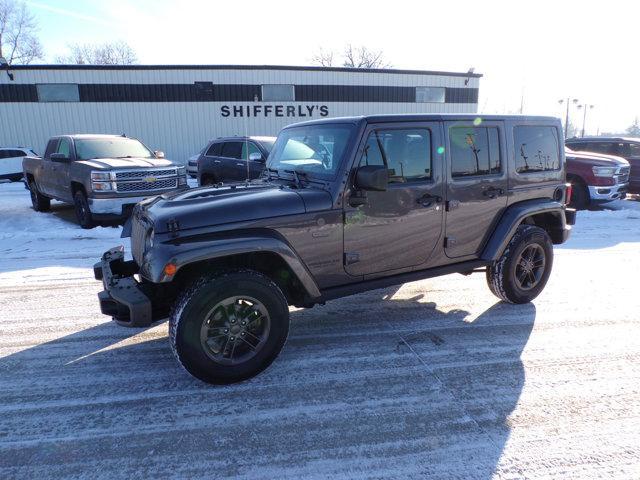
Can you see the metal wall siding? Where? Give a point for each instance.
(18, 93)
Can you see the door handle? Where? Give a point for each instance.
(216, 161)
(427, 200)
(241, 164)
(493, 192)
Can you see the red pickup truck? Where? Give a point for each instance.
(596, 178)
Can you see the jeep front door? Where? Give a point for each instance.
(400, 227)
(476, 185)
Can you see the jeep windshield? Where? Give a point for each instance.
(316, 151)
(119, 147)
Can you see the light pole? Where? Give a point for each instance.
(585, 107)
(569, 101)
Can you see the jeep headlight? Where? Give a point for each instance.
(604, 171)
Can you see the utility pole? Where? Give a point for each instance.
(584, 115)
(566, 120)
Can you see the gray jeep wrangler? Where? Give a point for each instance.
(344, 206)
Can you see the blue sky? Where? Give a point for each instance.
(546, 49)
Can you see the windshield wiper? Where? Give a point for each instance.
(296, 175)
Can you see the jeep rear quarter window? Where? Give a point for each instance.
(474, 151)
(405, 153)
(536, 148)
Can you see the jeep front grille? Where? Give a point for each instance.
(138, 234)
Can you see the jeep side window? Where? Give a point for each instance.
(232, 150)
(405, 153)
(474, 151)
(248, 148)
(215, 150)
(536, 149)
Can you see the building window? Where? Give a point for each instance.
(537, 149)
(430, 94)
(58, 92)
(277, 93)
(474, 151)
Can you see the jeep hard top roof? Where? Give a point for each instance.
(425, 117)
(602, 139)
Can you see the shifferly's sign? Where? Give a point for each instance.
(274, 110)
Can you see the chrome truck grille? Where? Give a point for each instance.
(134, 181)
(623, 175)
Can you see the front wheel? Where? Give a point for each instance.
(522, 271)
(83, 212)
(229, 327)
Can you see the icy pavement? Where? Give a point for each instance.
(435, 379)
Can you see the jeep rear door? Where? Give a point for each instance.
(476, 184)
(400, 227)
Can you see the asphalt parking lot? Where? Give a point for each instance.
(432, 379)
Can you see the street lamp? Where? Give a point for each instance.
(566, 120)
(585, 107)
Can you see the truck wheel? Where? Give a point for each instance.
(580, 198)
(208, 180)
(39, 202)
(83, 212)
(522, 271)
(229, 327)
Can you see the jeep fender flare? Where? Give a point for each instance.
(190, 252)
(515, 214)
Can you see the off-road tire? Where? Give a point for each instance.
(501, 276)
(191, 310)
(39, 202)
(580, 199)
(83, 211)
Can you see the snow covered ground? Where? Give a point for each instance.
(432, 379)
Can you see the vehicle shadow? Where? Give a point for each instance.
(366, 386)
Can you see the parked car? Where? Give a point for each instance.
(627, 148)
(192, 164)
(596, 178)
(11, 162)
(225, 262)
(103, 176)
(233, 159)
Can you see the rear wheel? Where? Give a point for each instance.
(522, 271)
(83, 212)
(208, 180)
(39, 202)
(580, 198)
(229, 327)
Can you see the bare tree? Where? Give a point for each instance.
(362, 57)
(634, 130)
(322, 58)
(18, 28)
(110, 53)
(353, 57)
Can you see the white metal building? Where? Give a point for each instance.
(178, 108)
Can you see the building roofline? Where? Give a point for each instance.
(245, 67)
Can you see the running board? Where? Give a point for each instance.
(367, 285)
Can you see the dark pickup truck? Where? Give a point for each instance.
(344, 206)
(103, 176)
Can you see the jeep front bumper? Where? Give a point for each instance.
(123, 298)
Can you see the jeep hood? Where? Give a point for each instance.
(234, 204)
(124, 163)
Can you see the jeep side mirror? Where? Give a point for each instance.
(158, 153)
(372, 177)
(59, 157)
(256, 157)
